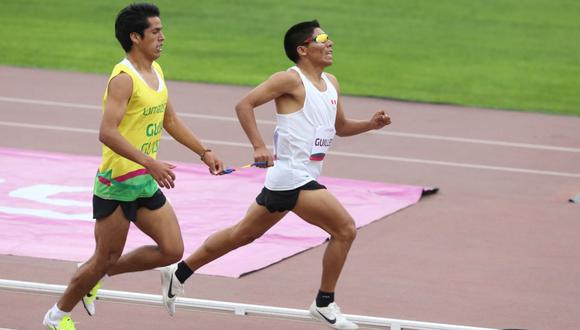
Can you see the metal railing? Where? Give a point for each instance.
(236, 308)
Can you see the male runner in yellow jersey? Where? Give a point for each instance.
(135, 110)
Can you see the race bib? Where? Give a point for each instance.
(322, 141)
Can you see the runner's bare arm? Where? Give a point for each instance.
(119, 91)
(349, 127)
(277, 85)
(175, 126)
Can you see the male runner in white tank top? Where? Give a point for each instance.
(309, 114)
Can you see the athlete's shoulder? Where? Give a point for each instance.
(124, 65)
(286, 75)
(121, 83)
(289, 78)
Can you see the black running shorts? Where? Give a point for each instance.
(104, 207)
(280, 201)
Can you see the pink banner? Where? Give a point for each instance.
(45, 210)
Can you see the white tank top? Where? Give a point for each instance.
(302, 138)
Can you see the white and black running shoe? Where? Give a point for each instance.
(171, 287)
(331, 316)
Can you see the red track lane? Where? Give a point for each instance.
(497, 247)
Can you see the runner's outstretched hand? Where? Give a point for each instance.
(380, 119)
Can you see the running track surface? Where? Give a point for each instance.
(496, 247)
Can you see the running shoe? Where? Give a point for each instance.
(89, 299)
(170, 287)
(65, 323)
(331, 316)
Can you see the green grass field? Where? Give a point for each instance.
(508, 54)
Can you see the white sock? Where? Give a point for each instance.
(56, 314)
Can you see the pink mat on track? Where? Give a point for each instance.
(45, 210)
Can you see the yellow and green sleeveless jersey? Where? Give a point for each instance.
(119, 178)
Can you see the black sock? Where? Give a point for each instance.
(183, 272)
(323, 299)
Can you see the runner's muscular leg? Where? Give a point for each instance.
(110, 236)
(322, 209)
(255, 223)
(162, 226)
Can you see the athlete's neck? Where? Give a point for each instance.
(140, 63)
(314, 73)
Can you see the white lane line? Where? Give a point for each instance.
(465, 165)
(271, 122)
(49, 127)
(94, 131)
(336, 153)
(478, 141)
(49, 103)
(96, 107)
